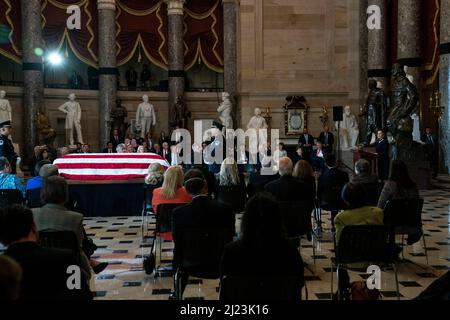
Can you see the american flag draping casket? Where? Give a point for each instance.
(107, 166)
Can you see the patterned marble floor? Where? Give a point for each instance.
(120, 243)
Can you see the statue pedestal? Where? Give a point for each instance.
(415, 158)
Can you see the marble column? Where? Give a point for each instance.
(377, 53)
(230, 12)
(444, 80)
(409, 37)
(107, 66)
(33, 76)
(175, 11)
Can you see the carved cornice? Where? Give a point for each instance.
(175, 7)
(106, 4)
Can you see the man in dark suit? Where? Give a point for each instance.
(382, 149)
(110, 148)
(116, 138)
(318, 157)
(327, 140)
(45, 270)
(306, 141)
(331, 183)
(202, 212)
(432, 145)
(165, 152)
(287, 188)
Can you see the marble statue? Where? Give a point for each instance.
(5, 108)
(118, 115)
(375, 110)
(72, 110)
(225, 109)
(46, 133)
(257, 121)
(349, 130)
(408, 76)
(404, 102)
(145, 116)
(181, 115)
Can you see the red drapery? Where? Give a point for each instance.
(141, 27)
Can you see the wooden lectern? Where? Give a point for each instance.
(368, 154)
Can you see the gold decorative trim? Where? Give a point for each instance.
(203, 15)
(91, 32)
(10, 56)
(8, 3)
(65, 5)
(161, 34)
(118, 31)
(433, 77)
(140, 13)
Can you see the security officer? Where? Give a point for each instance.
(6, 146)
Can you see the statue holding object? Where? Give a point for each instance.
(375, 110)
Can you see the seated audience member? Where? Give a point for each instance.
(63, 151)
(54, 215)
(248, 255)
(9, 180)
(287, 188)
(153, 180)
(280, 152)
(258, 179)
(370, 182)
(121, 148)
(79, 148)
(86, 148)
(156, 148)
(109, 148)
(298, 155)
(165, 152)
(130, 149)
(35, 159)
(45, 155)
(304, 172)
(36, 181)
(400, 186)
(318, 156)
(358, 213)
(172, 190)
(44, 269)
(10, 279)
(34, 199)
(200, 213)
(141, 149)
(134, 144)
(230, 186)
(438, 290)
(209, 177)
(329, 188)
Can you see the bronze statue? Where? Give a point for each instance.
(181, 115)
(46, 133)
(404, 102)
(118, 115)
(375, 110)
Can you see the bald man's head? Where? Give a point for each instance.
(285, 166)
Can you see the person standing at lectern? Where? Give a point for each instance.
(382, 149)
(432, 145)
(327, 140)
(6, 146)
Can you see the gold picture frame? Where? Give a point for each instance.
(296, 115)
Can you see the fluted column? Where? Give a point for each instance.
(409, 37)
(444, 79)
(377, 53)
(107, 66)
(175, 11)
(230, 11)
(33, 77)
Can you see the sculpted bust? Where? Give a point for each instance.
(349, 130)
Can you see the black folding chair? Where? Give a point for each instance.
(163, 225)
(260, 288)
(330, 201)
(199, 253)
(365, 244)
(147, 209)
(50, 238)
(234, 196)
(33, 198)
(9, 197)
(401, 215)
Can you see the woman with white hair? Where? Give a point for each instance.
(230, 185)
